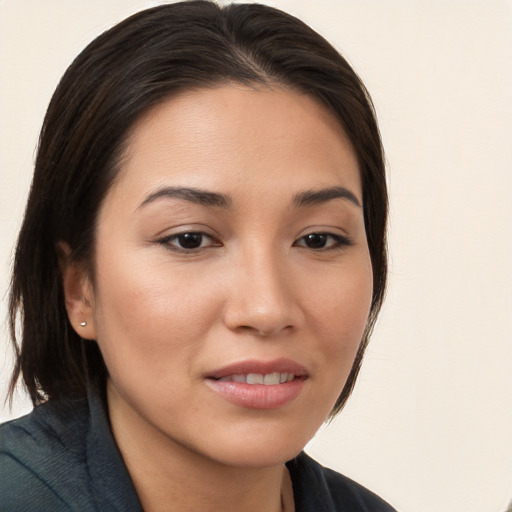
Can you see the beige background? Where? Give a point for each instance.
(429, 426)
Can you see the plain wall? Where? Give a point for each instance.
(429, 425)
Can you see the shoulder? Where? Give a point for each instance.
(62, 456)
(321, 489)
(42, 459)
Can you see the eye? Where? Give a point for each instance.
(322, 241)
(189, 241)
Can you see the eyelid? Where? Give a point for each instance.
(340, 240)
(167, 239)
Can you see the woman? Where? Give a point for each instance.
(201, 263)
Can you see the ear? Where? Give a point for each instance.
(78, 293)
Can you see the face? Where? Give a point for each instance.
(232, 274)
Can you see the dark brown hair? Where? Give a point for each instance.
(131, 67)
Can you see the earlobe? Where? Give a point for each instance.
(78, 293)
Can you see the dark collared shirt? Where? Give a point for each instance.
(62, 456)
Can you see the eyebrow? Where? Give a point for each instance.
(315, 197)
(216, 200)
(193, 195)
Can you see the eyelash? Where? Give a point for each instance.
(168, 241)
(337, 241)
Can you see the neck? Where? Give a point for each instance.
(164, 472)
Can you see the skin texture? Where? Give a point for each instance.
(165, 318)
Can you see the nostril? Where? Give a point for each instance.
(255, 331)
(264, 333)
(261, 314)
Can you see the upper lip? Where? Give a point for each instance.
(259, 367)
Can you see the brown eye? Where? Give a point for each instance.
(319, 241)
(189, 241)
(315, 240)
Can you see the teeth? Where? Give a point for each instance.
(270, 379)
(254, 378)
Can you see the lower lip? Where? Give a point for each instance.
(258, 396)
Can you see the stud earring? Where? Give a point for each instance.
(83, 324)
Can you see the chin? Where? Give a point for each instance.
(256, 456)
(264, 446)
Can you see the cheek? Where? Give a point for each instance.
(342, 309)
(150, 314)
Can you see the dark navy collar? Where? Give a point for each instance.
(111, 483)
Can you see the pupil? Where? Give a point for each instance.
(316, 241)
(190, 240)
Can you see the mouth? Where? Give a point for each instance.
(259, 385)
(269, 379)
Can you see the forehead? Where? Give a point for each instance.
(235, 135)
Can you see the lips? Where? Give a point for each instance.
(259, 385)
(269, 379)
(259, 368)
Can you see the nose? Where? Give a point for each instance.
(263, 299)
